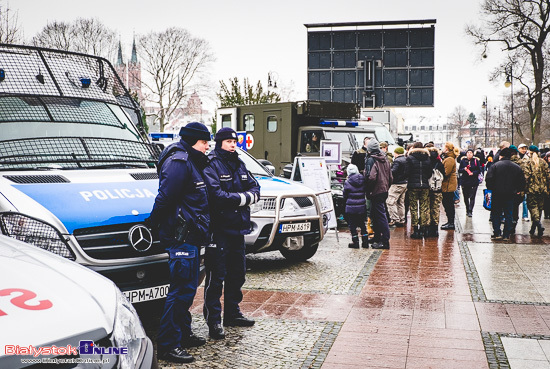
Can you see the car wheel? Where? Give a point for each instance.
(303, 254)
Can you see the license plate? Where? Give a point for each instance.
(294, 227)
(147, 294)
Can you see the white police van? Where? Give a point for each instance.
(55, 312)
(77, 176)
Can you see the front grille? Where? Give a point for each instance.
(111, 242)
(37, 179)
(303, 202)
(144, 176)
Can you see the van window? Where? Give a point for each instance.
(272, 123)
(382, 134)
(226, 120)
(311, 141)
(249, 122)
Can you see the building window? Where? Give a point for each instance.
(422, 128)
(406, 128)
(413, 128)
(249, 122)
(272, 123)
(431, 128)
(226, 120)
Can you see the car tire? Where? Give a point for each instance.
(303, 254)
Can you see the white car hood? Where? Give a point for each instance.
(77, 300)
(274, 186)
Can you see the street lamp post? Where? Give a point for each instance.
(485, 106)
(510, 83)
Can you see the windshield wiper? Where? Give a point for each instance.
(116, 165)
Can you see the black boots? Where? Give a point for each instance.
(432, 231)
(417, 233)
(365, 241)
(538, 226)
(533, 228)
(450, 226)
(354, 242)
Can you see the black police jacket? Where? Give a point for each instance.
(232, 188)
(182, 190)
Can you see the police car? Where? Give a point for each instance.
(289, 217)
(53, 311)
(77, 174)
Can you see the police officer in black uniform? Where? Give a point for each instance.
(232, 188)
(181, 211)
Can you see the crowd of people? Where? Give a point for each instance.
(423, 177)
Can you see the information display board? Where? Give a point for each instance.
(313, 172)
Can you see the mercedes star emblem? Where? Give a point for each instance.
(140, 237)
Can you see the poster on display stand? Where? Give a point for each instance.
(313, 172)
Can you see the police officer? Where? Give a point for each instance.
(182, 195)
(232, 188)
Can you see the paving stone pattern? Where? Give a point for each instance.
(334, 269)
(270, 343)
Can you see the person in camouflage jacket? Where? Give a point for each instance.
(536, 175)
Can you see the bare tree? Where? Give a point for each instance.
(248, 95)
(172, 60)
(521, 27)
(457, 120)
(88, 36)
(10, 32)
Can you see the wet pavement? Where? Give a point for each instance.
(459, 301)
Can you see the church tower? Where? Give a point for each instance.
(134, 73)
(120, 67)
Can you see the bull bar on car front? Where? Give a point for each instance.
(321, 210)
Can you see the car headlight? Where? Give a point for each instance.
(128, 331)
(36, 232)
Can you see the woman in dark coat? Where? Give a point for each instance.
(470, 168)
(356, 206)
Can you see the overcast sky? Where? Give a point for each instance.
(253, 37)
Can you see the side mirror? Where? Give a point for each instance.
(271, 168)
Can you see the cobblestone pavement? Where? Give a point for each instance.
(458, 301)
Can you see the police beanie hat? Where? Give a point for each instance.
(194, 131)
(352, 169)
(507, 152)
(533, 148)
(373, 145)
(225, 133)
(399, 150)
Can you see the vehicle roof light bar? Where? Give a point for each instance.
(339, 123)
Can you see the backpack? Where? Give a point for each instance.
(436, 180)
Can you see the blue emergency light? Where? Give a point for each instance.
(158, 136)
(339, 123)
(2, 75)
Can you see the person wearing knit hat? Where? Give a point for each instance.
(378, 178)
(399, 150)
(194, 132)
(183, 195)
(232, 189)
(355, 211)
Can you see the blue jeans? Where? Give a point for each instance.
(456, 194)
(502, 204)
(525, 211)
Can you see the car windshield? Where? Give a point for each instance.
(347, 140)
(57, 132)
(382, 134)
(360, 137)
